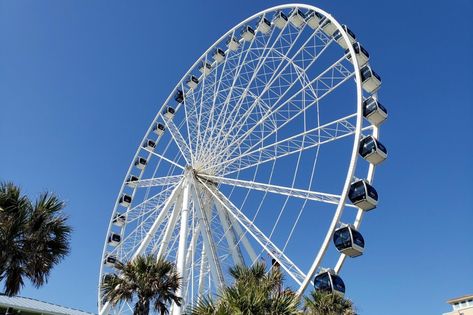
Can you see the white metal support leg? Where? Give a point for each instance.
(181, 252)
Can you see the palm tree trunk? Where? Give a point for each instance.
(141, 307)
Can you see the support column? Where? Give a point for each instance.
(181, 252)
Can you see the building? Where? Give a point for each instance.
(26, 306)
(461, 306)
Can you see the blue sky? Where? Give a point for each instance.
(81, 80)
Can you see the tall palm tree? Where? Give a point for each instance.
(255, 291)
(34, 237)
(326, 303)
(145, 280)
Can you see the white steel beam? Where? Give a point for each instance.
(181, 251)
(158, 181)
(305, 140)
(211, 251)
(230, 236)
(171, 225)
(179, 140)
(292, 192)
(293, 271)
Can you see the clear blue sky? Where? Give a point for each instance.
(81, 80)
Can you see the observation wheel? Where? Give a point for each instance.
(264, 151)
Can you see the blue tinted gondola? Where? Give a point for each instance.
(125, 200)
(362, 54)
(114, 239)
(372, 150)
(141, 162)
(168, 112)
(313, 19)
(329, 281)
(370, 79)
(374, 111)
(219, 55)
(159, 129)
(149, 145)
(110, 260)
(339, 38)
(349, 241)
(205, 68)
(363, 195)
(280, 20)
(248, 33)
(264, 26)
(233, 43)
(119, 219)
(192, 81)
(179, 97)
(297, 18)
(131, 181)
(327, 26)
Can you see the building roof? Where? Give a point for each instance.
(32, 305)
(460, 299)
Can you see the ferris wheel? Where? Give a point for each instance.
(264, 151)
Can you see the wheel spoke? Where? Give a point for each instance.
(261, 61)
(239, 120)
(179, 140)
(323, 85)
(286, 191)
(294, 272)
(162, 157)
(150, 234)
(305, 140)
(158, 181)
(230, 236)
(202, 208)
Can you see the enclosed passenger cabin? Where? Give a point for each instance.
(374, 111)
(141, 162)
(339, 37)
(159, 129)
(363, 195)
(131, 180)
(125, 200)
(349, 241)
(192, 82)
(371, 80)
(233, 43)
(372, 150)
(313, 19)
(362, 55)
(179, 97)
(264, 26)
(297, 18)
(329, 281)
(168, 112)
(149, 145)
(280, 20)
(110, 260)
(114, 239)
(219, 55)
(327, 26)
(119, 219)
(248, 33)
(205, 68)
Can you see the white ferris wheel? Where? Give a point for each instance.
(255, 155)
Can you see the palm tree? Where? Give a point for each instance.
(326, 303)
(145, 280)
(34, 237)
(255, 291)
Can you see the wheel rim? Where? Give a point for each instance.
(262, 106)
